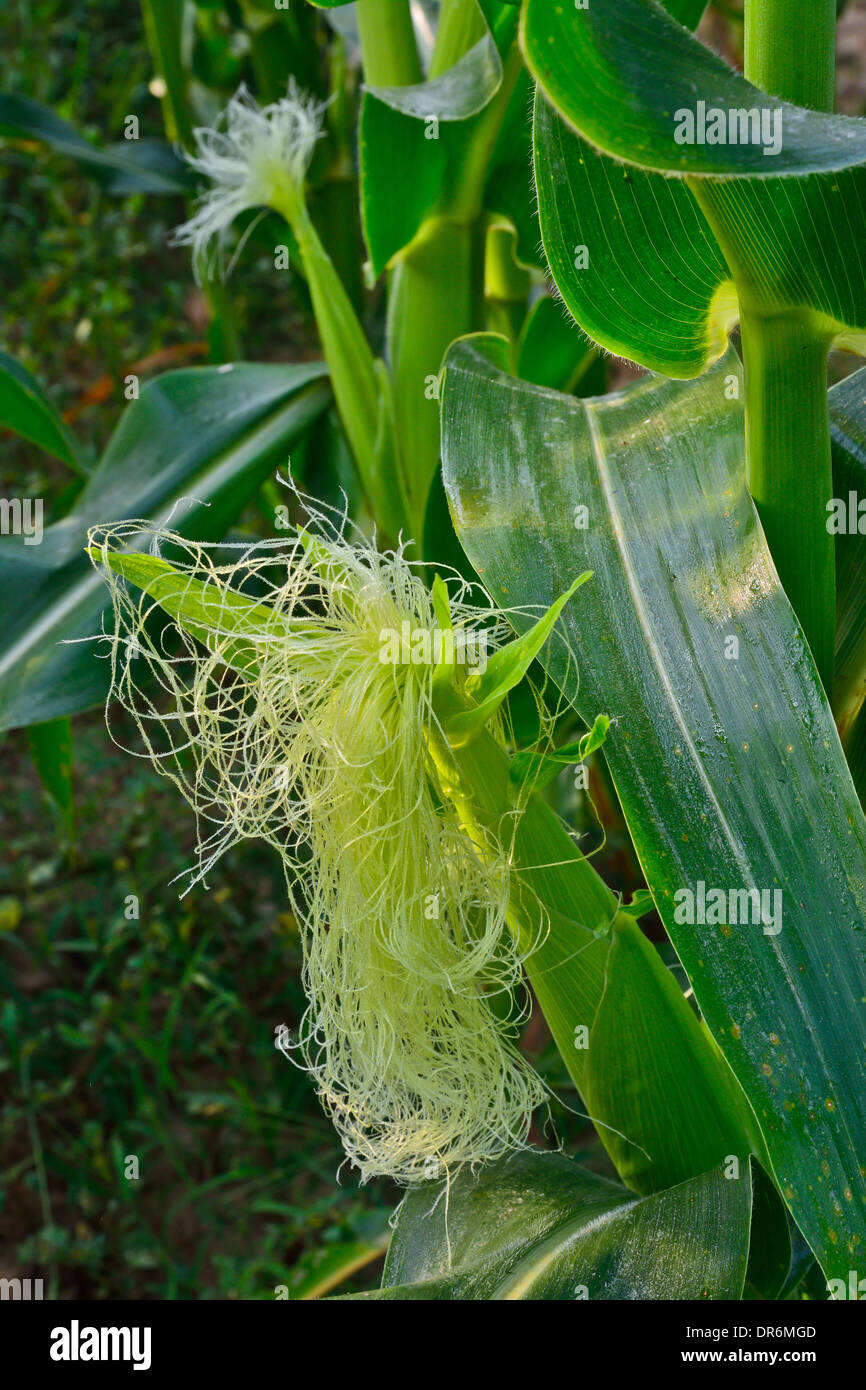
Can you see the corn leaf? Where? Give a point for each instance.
(52, 749)
(723, 751)
(434, 149)
(25, 409)
(537, 1226)
(131, 166)
(197, 443)
(506, 669)
(779, 206)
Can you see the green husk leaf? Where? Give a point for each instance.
(506, 669)
(541, 768)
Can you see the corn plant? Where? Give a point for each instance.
(527, 574)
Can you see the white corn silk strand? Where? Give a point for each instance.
(256, 156)
(322, 751)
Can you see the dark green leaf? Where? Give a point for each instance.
(25, 409)
(848, 430)
(537, 1226)
(199, 440)
(133, 166)
(770, 1249)
(778, 201)
(631, 253)
(552, 351)
(725, 757)
(600, 67)
(51, 747)
(651, 1071)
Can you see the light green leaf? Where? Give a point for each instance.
(506, 669)
(541, 768)
(725, 757)
(641, 904)
(567, 920)
(210, 611)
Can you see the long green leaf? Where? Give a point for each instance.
(640, 1038)
(51, 747)
(25, 409)
(619, 47)
(197, 443)
(631, 253)
(724, 754)
(437, 148)
(132, 166)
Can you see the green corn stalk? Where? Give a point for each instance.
(790, 53)
(162, 27)
(436, 288)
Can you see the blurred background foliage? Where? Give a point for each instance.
(152, 1036)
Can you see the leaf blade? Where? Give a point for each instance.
(211, 432)
(537, 1226)
(729, 772)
